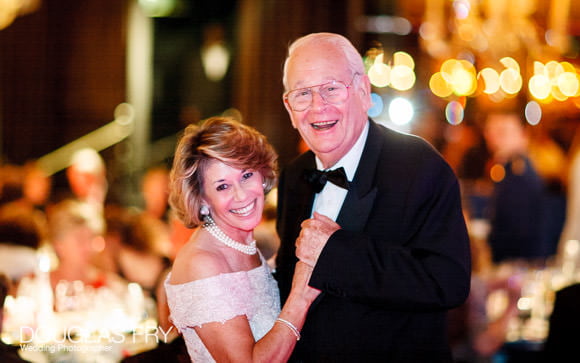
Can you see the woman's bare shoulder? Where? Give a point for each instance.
(193, 263)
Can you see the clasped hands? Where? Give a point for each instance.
(313, 237)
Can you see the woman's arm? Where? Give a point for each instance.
(233, 341)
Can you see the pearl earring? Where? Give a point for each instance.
(204, 210)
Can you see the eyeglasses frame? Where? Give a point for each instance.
(318, 85)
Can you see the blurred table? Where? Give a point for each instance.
(80, 324)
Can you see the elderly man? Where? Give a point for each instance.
(384, 230)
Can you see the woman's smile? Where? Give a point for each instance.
(245, 211)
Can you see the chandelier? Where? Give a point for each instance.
(11, 9)
(496, 49)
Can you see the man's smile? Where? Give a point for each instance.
(323, 125)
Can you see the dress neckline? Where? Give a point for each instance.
(233, 273)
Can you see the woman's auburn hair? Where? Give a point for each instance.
(216, 138)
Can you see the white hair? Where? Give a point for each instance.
(353, 58)
(88, 160)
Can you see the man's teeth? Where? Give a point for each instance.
(323, 125)
(244, 210)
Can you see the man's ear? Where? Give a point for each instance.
(365, 85)
(289, 110)
(365, 90)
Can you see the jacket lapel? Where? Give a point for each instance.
(360, 198)
(302, 194)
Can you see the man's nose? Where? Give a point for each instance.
(317, 100)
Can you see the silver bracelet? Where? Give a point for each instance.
(291, 326)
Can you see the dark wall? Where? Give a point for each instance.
(62, 68)
(62, 72)
(264, 31)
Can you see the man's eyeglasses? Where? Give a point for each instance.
(335, 92)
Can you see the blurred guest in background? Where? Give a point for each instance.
(516, 206)
(478, 329)
(141, 256)
(384, 231)
(221, 292)
(22, 232)
(471, 169)
(37, 185)
(155, 191)
(11, 176)
(116, 221)
(87, 178)
(551, 163)
(73, 239)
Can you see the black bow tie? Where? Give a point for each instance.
(318, 178)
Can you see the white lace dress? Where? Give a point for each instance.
(253, 293)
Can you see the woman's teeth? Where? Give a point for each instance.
(244, 211)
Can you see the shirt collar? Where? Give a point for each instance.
(351, 159)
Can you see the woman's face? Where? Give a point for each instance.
(235, 198)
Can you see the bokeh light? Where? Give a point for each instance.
(403, 59)
(510, 63)
(377, 105)
(454, 112)
(553, 81)
(402, 78)
(533, 113)
(510, 81)
(497, 173)
(490, 79)
(158, 8)
(460, 76)
(379, 73)
(439, 86)
(401, 111)
(539, 86)
(568, 83)
(400, 75)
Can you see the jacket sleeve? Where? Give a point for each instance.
(413, 252)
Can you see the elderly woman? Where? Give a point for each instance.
(221, 293)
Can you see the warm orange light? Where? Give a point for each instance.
(510, 81)
(510, 63)
(402, 78)
(403, 59)
(553, 71)
(497, 173)
(568, 84)
(490, 80)
(380, 73)
(557, 94)
(439, 86)
(539, 86)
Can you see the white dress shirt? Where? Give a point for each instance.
(329, 201)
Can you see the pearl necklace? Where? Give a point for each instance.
(214, 230)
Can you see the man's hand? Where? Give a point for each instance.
(313, 237)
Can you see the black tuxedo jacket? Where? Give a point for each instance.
(400, 261)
